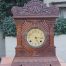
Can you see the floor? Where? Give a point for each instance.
(8, 60)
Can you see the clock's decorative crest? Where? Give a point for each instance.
(35, 8)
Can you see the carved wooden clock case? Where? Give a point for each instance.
(35, 34)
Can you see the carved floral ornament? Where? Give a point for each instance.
(35, 8)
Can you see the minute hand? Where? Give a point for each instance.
(40, 37)
(37, 41)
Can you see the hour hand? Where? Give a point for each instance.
(37, 39)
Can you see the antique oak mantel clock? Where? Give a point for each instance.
(35, 34)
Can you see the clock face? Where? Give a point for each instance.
(35, 38)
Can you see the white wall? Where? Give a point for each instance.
(49, 1)
(10, 44)
(2, 45)
(59, 41)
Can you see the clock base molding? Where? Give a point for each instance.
(36, 61)
(48, 52)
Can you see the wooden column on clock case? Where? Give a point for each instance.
(51, 32)
(18, 28)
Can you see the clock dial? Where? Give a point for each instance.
(35, 37)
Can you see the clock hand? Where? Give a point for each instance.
(39, 37)
(37, 40)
